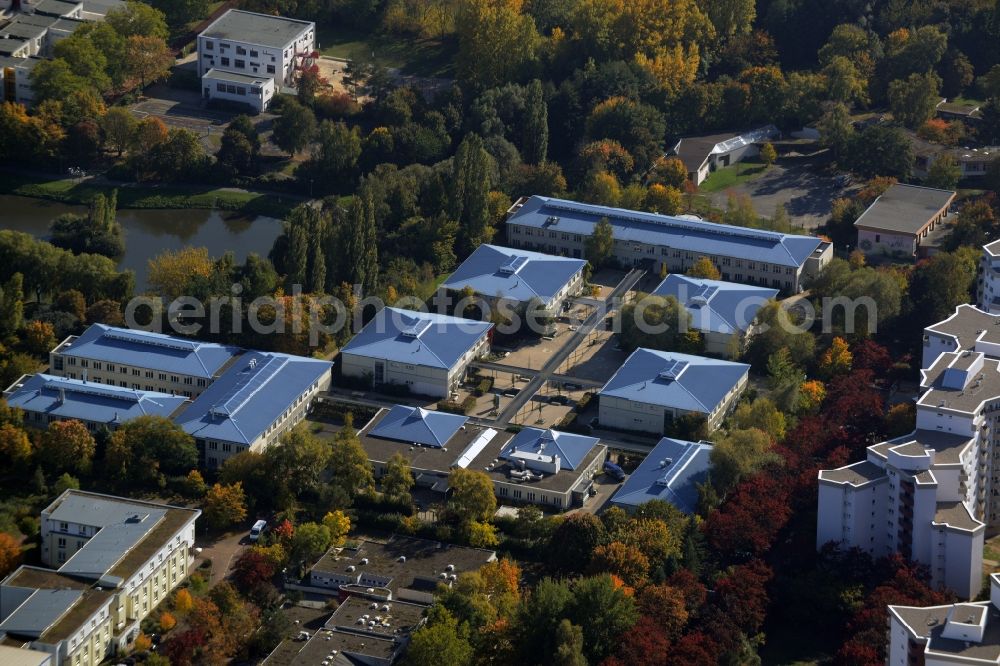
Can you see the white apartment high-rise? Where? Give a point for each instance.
(928, 495)
(988, 285)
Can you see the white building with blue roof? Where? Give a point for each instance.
(261, 396)
(671, 472)
(46, 399)
(663, 243)
(724, 312)
(653, 388)
(141, 360)
(518, 276)
(427, 353)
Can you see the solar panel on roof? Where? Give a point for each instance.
(256, 377)
(672, 370)
(141, 338)
(127, 395)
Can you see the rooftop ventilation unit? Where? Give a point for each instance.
(414, 330)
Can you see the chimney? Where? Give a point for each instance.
(62, 396)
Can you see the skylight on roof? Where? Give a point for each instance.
(672, 370)
(255, 377)
(512, 265)
(416, 329)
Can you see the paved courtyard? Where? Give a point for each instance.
(805, 191)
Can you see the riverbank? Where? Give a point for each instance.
(141, 196)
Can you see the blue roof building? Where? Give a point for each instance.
(415, 424)
(658, 242)
(653, 388)
(426, 352)
(548, 450)
(165, 363)
(722, 311)
(518, 275)
(259, 398)
(45, 398)
(671, 472)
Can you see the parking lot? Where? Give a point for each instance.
(596, 359)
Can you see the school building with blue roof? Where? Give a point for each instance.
(260, 397)
(723, 312)
(663, 243)
(495, 272)
(426, 352)
(141, 360)
(671, 472)
(46, 399)
(653, 388)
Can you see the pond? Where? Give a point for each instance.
(148, 232)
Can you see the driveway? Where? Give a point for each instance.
(806, 193)
(222, 552)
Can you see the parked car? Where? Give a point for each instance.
(257, 530)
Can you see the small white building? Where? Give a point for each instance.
(425, 352)
(654, 388)
(898, 222)
(950, 635)
(255, 91)
(257, 46)
(702, 155)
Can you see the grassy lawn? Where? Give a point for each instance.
(966, 101)
(731, 176)
(420, 57)
(151, 196)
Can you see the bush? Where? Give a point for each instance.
(390, 522)
(338, 105)
(453, 407)
(485, 386)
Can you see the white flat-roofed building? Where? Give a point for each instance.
(257, 91)
(114, 560)
(959, 634)
(255, 45)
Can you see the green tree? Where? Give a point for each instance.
(845, 84)
(569, 642)
(137, 18)
(881, 150)
(914, 99)
(398, 479)
(472, 497)
(496, 42)
(296, 462)
(349, 467)
(440, 641)
(118, 125)
(335, 152)
(339, 524)
(15, 447)
(836, 131)
(147, 449)
(55, 79)
(85, 60)
(12, 304)
(362, 247)
(471, 183)
(535, 143)
(66, 481)
(294, 128)
(310, 541)
(944, 172)
(942, 283)
(730, 17)
(656, 322)
(739, 454)
(762, 414)
(957, 73)
(599, 246)
(179, 13)
(603, 611)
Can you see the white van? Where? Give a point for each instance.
(257, 530)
